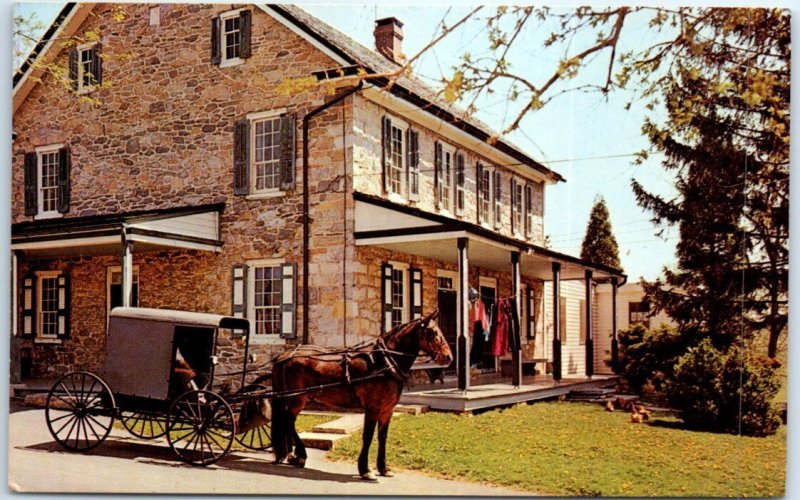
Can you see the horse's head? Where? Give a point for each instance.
(432, 340)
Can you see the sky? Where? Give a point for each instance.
(586, 138)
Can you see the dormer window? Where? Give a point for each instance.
(230, 37)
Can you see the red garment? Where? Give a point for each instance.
(505, 328)
(478, 313)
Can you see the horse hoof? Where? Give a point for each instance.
(369, 476)
(386, 473)
(297, 461)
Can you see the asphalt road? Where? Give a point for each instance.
(124, 464)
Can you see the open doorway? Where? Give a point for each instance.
(447, 295)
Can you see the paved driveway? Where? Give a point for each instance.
(126, 464)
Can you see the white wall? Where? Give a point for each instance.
(573, 352)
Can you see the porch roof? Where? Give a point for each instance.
(402, 228)
(187, 227)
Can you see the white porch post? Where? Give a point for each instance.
(127, 270)
(589, 333)
(614, 343)
(14, 293)
(516, 354)
(462, 316)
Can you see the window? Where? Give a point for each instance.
(639, 312)
(48, 181)
(484, 192)
(401, 294)
(516, 205)
(85, 68)
(413, 164)
(114, 288)
(266, 143)
(445, 176)
(528, 211)
(398, 297)
(498, 199)
(266, 302)
(460, 179)
(444, 283)
(48, 299)
(231, 37)
(396, 160)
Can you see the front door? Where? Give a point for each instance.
(447, 320)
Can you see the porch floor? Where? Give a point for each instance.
(499, 393)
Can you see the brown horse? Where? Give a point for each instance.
(370, 377)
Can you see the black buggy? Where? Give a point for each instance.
(159, 379)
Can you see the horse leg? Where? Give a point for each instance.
(280, 435)
(383, 432)
(366, 440)
(298, 458)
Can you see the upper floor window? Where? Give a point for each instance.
(47, 173)
(484, 193)
(443, 175)
(85, 67)
(413, 163)
(395, 159)
(230, 37)
(264, 153)
(516, 206)
(460, 181)
(528, 210)
(400, 158)
(498, 199)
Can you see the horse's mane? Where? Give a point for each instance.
(401, 331)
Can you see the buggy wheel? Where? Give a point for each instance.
(143, 425)
(80, 411)
(200, 427)
(258, 438)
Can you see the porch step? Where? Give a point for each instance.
(344, 425)
(320, 440)
(591, 392)
(38, 400)
(412, 409)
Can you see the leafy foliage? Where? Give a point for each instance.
(599, 244)
(647, 357)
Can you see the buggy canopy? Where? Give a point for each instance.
(181, 317)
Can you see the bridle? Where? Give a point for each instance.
(434, 341)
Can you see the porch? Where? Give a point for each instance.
(491, 391)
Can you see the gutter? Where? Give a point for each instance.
(306, 218)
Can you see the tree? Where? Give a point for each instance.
(599, 244)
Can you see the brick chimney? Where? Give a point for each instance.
(389, 38)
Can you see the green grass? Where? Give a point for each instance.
(579, 449)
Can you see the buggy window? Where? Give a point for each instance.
(192, 350)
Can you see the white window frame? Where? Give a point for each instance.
(224, 61)
(444, 273)
(459, 189)
(404, 191)
(518, 207)
(269, 338)
(254, 118)
(110, 270)
(40, 213)
(83, 89)
(497, 202)
(406, 310)
(489, 212)
(40, 337)
(446, 190)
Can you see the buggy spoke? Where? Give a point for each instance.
(68, 393)
(61, 417)
(68, 422)
(70, 403)
(104, 427)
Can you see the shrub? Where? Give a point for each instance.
(725, 392)
(647, 357)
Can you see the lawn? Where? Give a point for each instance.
(579, 449)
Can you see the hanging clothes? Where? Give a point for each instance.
(480, 327)
(504, 335)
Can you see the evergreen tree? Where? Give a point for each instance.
(599, 244)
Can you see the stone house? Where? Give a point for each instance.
(178, 172)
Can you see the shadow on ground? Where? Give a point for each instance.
(156, 454)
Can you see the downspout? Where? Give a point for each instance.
(306, 219)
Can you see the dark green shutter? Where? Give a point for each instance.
(416, 292)
(28, 305)
(31, 184)
(460, 180)
(288, 148)
(478, 191)
(64, 167)
(97, 63)
(531, 305)
(64, 292)
(513, 205)
(73, 68)
(386, 148)
(245, 24)
(288, 301)
(241, 157)
(386, 296)
(437, 167)
(413, 164)
(216, 52)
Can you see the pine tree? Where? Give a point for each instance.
(599, 244)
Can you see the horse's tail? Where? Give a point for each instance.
(280, 428)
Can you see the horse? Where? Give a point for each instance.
(370, 377)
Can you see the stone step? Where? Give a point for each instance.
(320, 440)
(412, 409)
(592, 392)
(345, 424)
